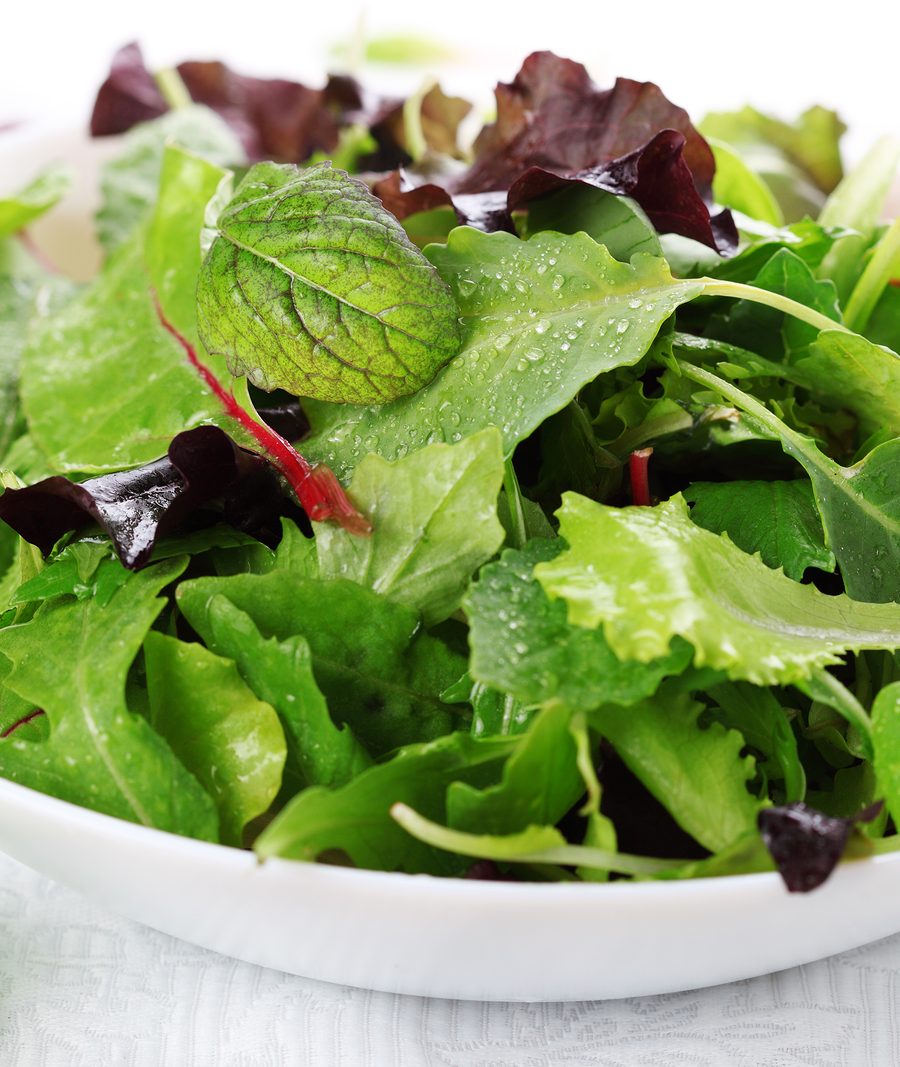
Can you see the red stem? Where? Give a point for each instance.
(319, 492)
(638, 463)
(36, 252)
(22, 722)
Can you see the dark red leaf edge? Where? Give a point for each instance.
(137, 507)
(807, 844)
(128, 96)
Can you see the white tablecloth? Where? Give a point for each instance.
(80, 987)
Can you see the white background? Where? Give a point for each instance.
(781, 56)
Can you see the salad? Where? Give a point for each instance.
(527, 510)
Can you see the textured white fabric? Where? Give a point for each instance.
(80, 987)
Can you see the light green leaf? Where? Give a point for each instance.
(434, 516)
(378, 671)
(103, 384)
(281, 673)
(312, 286)
(886, 740)
(778, 520)
(522, 643)
(737, 186)
(130, 182)
(20, 210)
(696, 773)
(541, 318)
(72, 660)
(646, 574)
(618, 222)
(356, 820)
(230, 741)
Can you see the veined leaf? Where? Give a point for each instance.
(646, 574)
(313, 287)
(434, 516)
(541, 318)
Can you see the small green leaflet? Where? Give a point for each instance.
(434, 516)
(230, 741)
(523, 644)
(778, 520)
(72, 660)
(312, 286)
(20, 210)
(541, 318)
(648, 573)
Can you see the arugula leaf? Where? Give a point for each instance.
(435, 521)
(335, 301)
(698, 774)
(41, 194)
(129, 183)
(541, 781)
(778, 520)
(646, 574)
(379, 673)
(859, 505)
(281, 673)
(356, 820)
(522, 643)
(541, 318)
(71, 660)
(230, 741)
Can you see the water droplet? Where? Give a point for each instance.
(466, 286)
(635, 303)
(542, 326)
(557, 282)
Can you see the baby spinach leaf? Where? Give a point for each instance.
(356, 819)
(648, 573)
(739, 187)
(71, 660)
(280, 672)
(29, 203)
(615, 221)
(698, 774)
(312, 286)
(380, 674)
(523, 644)
(778, 520)
(230, 741)
(541, 318)
(434, 517)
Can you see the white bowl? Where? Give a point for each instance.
(441, 937)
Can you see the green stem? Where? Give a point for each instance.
(740, 291)
(823, 686)
(880, 269)
(519, 531)
(173, 89)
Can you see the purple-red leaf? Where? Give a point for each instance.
(555, 126)
(806, 844)
(137, 507)
(128, 96)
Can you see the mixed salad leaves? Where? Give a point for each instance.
(526, 511)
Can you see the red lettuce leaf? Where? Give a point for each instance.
(806, 844)
(554, 126)
(135, 508)
(128, 96)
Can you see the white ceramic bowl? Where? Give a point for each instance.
(447, 937)
(417, 934)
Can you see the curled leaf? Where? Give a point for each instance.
(806, 844)
(137, 507)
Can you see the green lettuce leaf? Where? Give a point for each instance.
(434, 516)
(41, 194)
(648, 574)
